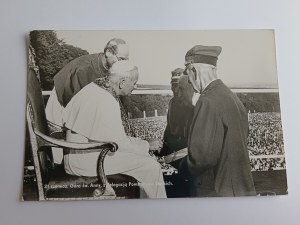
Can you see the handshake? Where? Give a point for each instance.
(156, 146)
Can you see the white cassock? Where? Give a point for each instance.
(95, 114)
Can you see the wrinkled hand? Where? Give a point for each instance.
(155, 145)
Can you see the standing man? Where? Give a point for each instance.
(180, 114)
(218, 159)
(77, 74)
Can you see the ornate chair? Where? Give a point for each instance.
(52, 181)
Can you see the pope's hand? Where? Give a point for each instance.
(155, 145)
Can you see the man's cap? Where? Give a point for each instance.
(176, 74)
(203, 54)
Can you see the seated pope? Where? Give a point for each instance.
(95, 113)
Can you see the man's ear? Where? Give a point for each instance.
(122, 83)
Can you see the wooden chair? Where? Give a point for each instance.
(52, 181)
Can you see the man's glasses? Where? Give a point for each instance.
(119, 58)
(190, 66)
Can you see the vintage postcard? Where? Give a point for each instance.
(152, 114)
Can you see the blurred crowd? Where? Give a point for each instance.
(150, 128)
(265, 137)
(265, 164)
(265, 134)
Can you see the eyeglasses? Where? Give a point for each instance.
(119, 58)
(186, 64)
(190, 66)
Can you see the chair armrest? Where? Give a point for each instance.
(102, 147)
(61, 135)
(54, 127)
(56, 131)
(45, 140)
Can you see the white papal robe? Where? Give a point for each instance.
(94, 113)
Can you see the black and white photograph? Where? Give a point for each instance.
(152, 114)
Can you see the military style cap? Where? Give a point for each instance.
(177, 72)
(203, 54)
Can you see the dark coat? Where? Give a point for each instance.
(178, 125)
(218, 160)
(76, 75)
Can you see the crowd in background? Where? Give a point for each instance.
(265, 134)
(265, 164)
(265, 137)
(150, 128)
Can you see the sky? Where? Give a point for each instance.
(247, 60)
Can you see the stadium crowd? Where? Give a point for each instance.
(150, 127)
(265, 164)
(265, 138)
(265, 134)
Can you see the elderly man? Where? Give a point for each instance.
(218, 159)
(76, 75)
(94, 113)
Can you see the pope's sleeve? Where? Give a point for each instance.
(100, 120)
(206, 138)
(111, 127)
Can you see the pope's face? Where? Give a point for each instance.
(129, 84)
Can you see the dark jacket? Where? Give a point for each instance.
(218, 159)
(178, 124)
(76, 75)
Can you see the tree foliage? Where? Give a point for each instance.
(52, 54)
